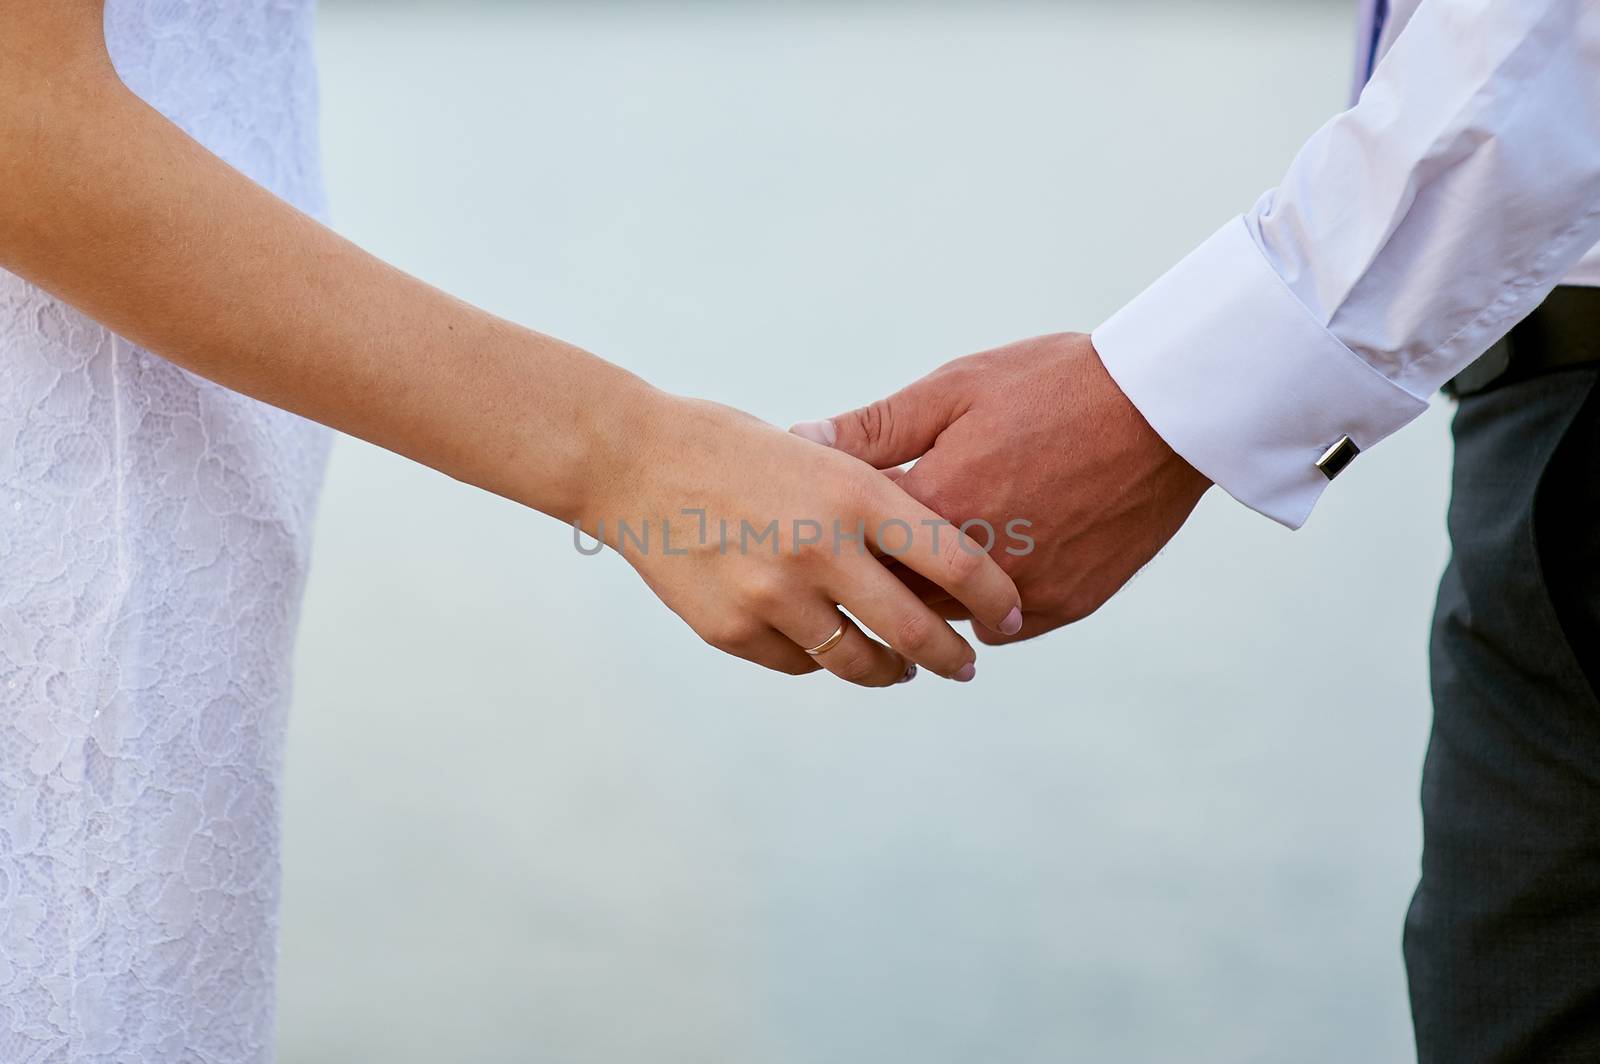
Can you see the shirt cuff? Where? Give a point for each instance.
(1231, 369)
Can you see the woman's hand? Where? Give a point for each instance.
(756, 537)
(181, 254)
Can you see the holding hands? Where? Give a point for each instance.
(1038, 431)
(756, 538)
(766, 534)
(761, 537)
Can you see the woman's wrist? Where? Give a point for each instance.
(603, 456)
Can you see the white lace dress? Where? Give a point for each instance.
(153, 547)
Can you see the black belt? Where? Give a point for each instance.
(1562, 333)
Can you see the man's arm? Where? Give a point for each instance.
(1409, 234)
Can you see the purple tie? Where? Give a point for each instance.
(1369, 31)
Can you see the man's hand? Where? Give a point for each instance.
(1038, 431)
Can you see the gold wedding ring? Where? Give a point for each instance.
(830, 642)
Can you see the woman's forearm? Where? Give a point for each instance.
(109, 206)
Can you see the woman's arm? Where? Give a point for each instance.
(109, 206)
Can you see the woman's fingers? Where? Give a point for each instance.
(919, 585)
(852, 657)
(773, 650)
(889, 608)
(925, 543)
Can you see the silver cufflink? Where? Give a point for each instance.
(1335, 458)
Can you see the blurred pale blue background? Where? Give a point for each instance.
(531, 818)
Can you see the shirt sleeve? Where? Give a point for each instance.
(1409, 234)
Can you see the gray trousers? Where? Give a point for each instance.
(1502, 941)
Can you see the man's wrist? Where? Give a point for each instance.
(1179, 466)
(1233, 372)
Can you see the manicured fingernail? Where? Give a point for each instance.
(1013, 622)
(821, 432)
(966, 673)
(911, 674)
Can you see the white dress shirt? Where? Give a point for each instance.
(1410, 233)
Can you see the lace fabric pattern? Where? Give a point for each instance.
(154, 533)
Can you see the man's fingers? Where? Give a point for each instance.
(893, 430)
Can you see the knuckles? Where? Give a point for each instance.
(857, 493)
(734, 637)
(914, 633)
(1079, 604)
(765, 592)
(963, 561)
(853, 667)
(874, 423)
